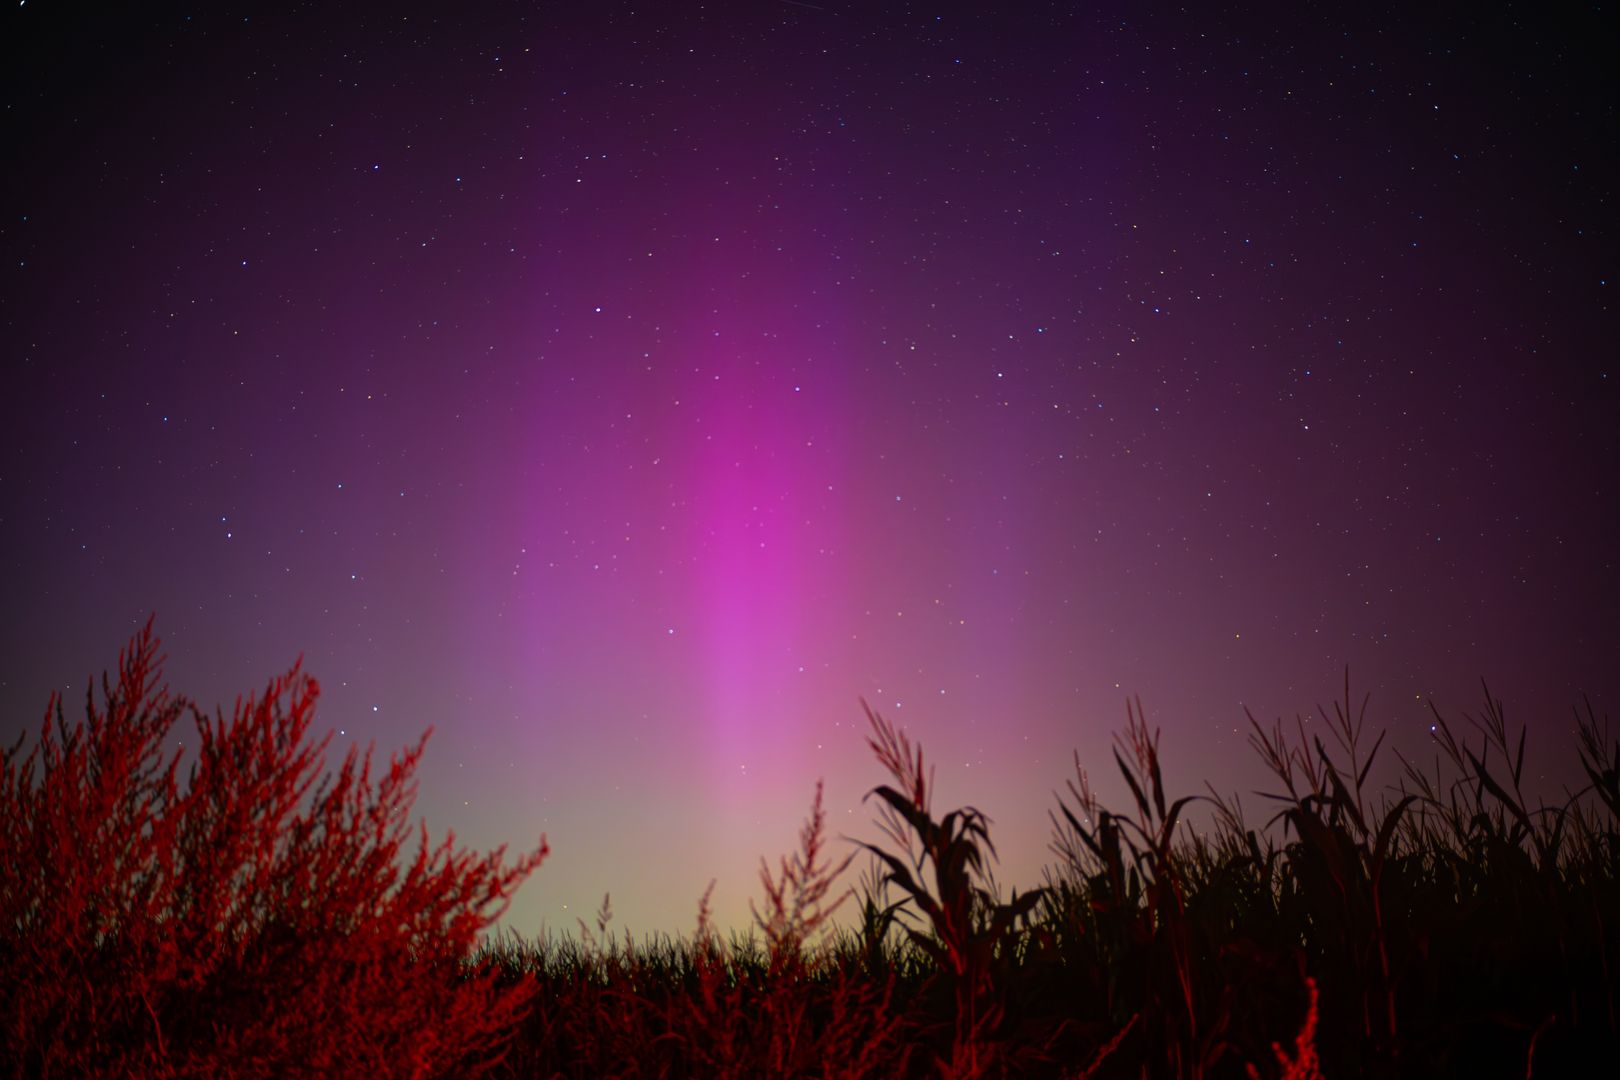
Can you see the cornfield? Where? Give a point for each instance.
(264, 916)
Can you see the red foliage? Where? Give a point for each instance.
(1303, 1063)
(259, 917)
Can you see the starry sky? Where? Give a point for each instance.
(626, 391)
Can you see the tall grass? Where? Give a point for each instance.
(263, 916)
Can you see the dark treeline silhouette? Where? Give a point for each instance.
(267, 916)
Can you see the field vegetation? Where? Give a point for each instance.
(264, 915)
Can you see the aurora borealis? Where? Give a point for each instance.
(627, 391)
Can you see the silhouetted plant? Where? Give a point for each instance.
(254, 919)
(1337, 868)
(966, 926)
(796, 897)
(1549, 872)
(1123, 877)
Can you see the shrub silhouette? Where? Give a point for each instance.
(255, 918)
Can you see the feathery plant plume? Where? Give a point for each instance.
(146, 921)
(796, 896)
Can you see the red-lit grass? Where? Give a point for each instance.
(261, 916)
(257, 916)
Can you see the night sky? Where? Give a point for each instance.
(626, 392)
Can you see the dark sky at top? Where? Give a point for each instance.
(626, 391)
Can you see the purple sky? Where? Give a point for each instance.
(626, 392)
